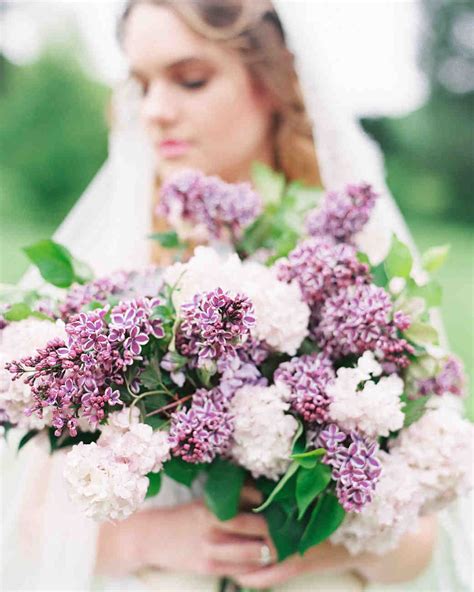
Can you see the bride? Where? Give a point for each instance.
(215, 85)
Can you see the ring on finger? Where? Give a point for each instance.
(265, 555)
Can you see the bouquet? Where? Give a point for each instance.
(280, 352)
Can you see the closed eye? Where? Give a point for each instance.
(193, 84)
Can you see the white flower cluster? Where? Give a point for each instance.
(104, 488)
(108, 479)
(358, 403)
(281, 315)
(429, 465)
(393, 512)
(438, 448)
(18, 340)
(263, 432)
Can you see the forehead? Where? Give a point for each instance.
(156, 37)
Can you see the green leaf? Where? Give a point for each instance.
(308, 347)
(430, 292)
(414, 409)
(434, 258)
(299, 440)
(64, 441)
(363, 258)
(268, 183)
(26, 438)
(422, 334)
(154, 485)
(54, 262)
(168, 239)
(151, 376)
(20, 311)
(155, 421)
(316, 453)
(379, 276)
(181, 471)
(325, 519)
(222, 489)
(399, 260)
(284, 528)
(309, 484)
(294, 466)
(304, 197)
(206, 373)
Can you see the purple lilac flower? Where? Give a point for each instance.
(321, 268)
(307, 378)
(210, 201)
(203, 431)
(214, 325)
(78, 378)
(342, 214)
(358, 319)
(355, 467)
(451, 379)
(235, 373)
(97, 291)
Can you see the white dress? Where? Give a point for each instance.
(47, 544)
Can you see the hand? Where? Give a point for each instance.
(185, 538)
(192, 539)
(322, 558)
(402, 564)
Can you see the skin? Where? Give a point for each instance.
(189, 90)
(226, 136)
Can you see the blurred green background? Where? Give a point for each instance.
(428, 156)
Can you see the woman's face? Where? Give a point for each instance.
(199, 103)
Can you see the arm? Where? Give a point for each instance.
(406, 562)
(403, 564)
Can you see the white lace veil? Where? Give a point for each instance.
(46, 543)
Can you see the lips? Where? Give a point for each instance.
(173, 148)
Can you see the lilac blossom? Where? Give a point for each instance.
(78, 377)
(97, 291)
(201, 432)
(342, 214)
(307, 378)
(355, 467)
(358, 319)
(321, 268)
(214, 325)
(210, 202)
(450, 379)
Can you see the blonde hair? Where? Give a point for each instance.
(253, 29)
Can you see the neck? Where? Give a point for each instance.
(265, 154)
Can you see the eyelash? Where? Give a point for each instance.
(194, 85)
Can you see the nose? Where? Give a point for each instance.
(159, 106)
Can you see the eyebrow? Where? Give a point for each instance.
(172, 65)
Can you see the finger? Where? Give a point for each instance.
(229, 569)
(250, 497)
(242, 552)
(247, 525)
(266, 577)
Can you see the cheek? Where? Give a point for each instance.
(230, 120)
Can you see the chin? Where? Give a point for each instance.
(166, 168)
